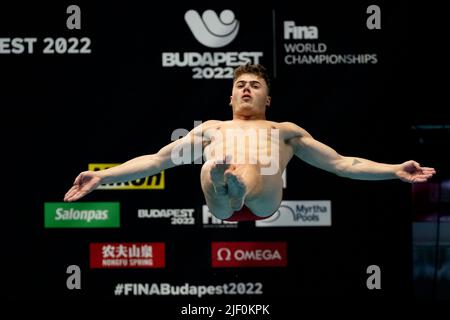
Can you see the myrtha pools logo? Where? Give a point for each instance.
(211, 30)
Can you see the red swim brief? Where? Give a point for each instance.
(245, 214)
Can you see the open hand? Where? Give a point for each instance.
(411, 171)
(86, 182)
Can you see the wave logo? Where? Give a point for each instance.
(211, 30)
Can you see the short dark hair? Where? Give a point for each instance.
(256, 69)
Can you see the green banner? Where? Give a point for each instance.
(82, 214)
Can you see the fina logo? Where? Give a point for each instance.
(210, 30)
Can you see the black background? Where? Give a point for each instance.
(61, 112)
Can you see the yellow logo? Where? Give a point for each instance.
(152, 182)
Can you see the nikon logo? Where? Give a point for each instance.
(152, 182)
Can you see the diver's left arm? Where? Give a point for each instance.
(324, 157)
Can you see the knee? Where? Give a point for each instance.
(206, 168)
(205, 173)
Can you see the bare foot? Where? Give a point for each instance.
(236, 190)
(217, 177)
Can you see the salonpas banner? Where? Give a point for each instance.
(82, 214)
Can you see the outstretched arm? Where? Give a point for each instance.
(139, 167)
(322, 156)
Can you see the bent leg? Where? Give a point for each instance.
(228, 187)
(215, 189)
(262, 194)
(241, 180)
(264, 200)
